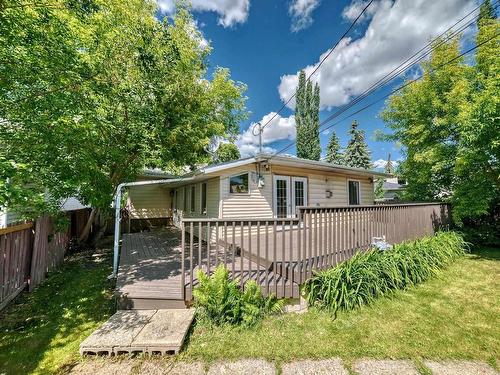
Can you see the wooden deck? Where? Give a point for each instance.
(149, 275)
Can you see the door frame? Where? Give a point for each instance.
(290, 193)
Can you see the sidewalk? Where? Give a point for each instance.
(260, 367)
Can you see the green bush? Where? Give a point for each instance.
(220, 300)
(369, 275)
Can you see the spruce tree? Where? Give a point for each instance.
(357, 153)
(333, 153)
(307, 119)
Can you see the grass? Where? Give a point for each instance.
(453, 316)
(41, 332)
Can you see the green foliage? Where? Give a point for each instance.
(379, 188)
(448, 125)
(220, 300)
(92, 92)
(366, 276)
(227, 152)
(333, 153)
(307, 119)
(357, 153)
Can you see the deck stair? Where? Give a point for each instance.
(140, 331)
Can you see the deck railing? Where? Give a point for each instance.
(280, 254)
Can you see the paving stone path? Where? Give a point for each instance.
(261, 367)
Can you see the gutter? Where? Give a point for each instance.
(117, 205)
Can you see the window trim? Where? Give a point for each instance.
(359, 192)
(236, 175)
(205, 210)
(192, 199)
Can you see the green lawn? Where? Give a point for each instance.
(41, 332)
(453, 316)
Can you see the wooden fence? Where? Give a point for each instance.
(280, 254)
(27, 253)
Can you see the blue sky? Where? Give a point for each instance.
(266, 42)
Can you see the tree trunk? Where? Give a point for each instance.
(102, 224)
(88, 226)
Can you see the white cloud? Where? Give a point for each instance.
(280, 128)
(301, 12)
(230, 12)
(381, 163)
(396, 30)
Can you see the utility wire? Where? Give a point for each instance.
(386, 96)
(318, 66)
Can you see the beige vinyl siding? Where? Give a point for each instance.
(256, 203)
(320, 182)
(149, 201)
(212, 199)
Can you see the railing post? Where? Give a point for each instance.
(183, 272)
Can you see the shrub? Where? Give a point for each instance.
(220, 300)
(369, 275)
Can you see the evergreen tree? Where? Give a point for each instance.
(307, 119)
(333, 153)
(357, 153)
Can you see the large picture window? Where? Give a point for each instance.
(238, 184)
(354, 195)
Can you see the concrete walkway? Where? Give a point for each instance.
(140, 331)
(334, 366)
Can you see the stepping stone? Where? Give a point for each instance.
(460, 368)
(120, 329)
(384, 367)
(165, 332)
(320, 367)
(175, 368)
(243, 367)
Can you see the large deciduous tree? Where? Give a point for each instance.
(448, 123)
(92, 91)
(307, 119)
(357, 153)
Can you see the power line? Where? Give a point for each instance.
(262, 127)
(386, 96)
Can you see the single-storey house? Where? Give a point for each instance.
(263, 186)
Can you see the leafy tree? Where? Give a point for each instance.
(357, 153)
(379, 188)
(92, 92)
(307, 119)
(448, 125)
(227, 152)
(333, 153)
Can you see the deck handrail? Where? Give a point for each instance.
(280, 255)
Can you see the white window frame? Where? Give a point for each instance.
(359, 192)
(201, 198)
(290, 192)
(292, 188)
(236, 175)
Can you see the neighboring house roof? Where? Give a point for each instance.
(392, 186)
(156, 173)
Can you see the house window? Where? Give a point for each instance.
(185, 197)
(193, 196)
(204, 198)
(238, 184)
(354, 193)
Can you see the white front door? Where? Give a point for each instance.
(289, 193)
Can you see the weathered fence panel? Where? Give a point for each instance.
(27, 254)
(280, 254)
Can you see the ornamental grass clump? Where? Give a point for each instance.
(220, 300)
(369, 275)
